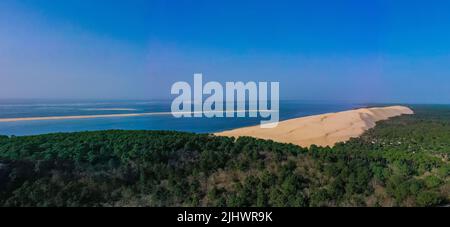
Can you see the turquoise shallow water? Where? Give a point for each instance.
(45, 108)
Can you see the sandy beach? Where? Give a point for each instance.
(323, 130)
(53, 118)
(78, 117)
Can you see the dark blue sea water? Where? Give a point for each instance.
(45, 108)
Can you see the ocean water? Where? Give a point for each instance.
(49, 108)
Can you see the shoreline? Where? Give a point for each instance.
(321, 130)
(324, 129)
(78, 117)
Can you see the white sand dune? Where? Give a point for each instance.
(322, 130)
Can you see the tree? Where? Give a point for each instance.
(427, 199)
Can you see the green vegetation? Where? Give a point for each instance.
(402, 162)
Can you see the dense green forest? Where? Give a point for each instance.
(401, 162)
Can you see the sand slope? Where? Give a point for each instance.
(322, 130)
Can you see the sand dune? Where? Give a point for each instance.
(322, 130)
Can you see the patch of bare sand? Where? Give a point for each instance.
(322, 130)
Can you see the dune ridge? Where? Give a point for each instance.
(322, 130)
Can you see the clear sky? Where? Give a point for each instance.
(349, 50)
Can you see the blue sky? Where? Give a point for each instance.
(348, 50)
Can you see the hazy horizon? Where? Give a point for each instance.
(351, 51)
